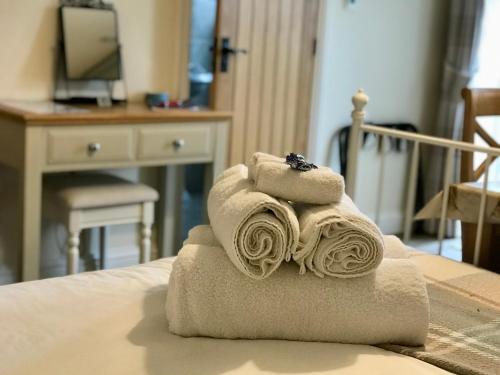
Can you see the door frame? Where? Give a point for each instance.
(317, 87)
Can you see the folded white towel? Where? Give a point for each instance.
(393, 247)
(202, 234)
(337, 240)
(257, 231)
(208, 296)
(273, 176)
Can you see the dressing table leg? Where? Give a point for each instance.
(208, 181)
(221, 154)
(170, 210)
(217, 166)
(30, 180)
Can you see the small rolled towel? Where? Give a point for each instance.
(271, 175)
(208, 296)
(257, 231)
(337, 240)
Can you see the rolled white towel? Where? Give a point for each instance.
(257, 231)
(337, 240)
(271, 175)
(208, 296)
(203, 234)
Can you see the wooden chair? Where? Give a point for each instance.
(479, 102)
(82, 201)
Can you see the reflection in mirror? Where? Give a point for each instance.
(201, 57)
(91, 47)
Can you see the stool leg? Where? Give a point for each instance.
(145, 253)
(73, 252)
(103, 245)
(146, 223)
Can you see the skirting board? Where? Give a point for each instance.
(7, 276)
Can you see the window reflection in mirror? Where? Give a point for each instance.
(200, 54)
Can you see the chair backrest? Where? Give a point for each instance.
(478, 102)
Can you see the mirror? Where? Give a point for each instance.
(90, 44)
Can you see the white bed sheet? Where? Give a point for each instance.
(113, 322)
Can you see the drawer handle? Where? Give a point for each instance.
(178, 143)
(93, 147)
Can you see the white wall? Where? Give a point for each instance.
(391, 48)
(149, 31)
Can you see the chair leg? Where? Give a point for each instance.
(145, 251)
(146, 223)
(103, 245)
(73, 252)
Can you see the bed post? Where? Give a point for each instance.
(359, 101)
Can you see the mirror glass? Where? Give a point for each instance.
(91, 46)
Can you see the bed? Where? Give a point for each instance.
(113, 322)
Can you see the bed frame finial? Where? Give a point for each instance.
(359, 100)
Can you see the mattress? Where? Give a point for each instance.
(113, 322)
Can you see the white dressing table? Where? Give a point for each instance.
(36, 139)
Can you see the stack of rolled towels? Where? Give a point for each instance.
(287, 255)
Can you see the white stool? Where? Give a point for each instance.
(84, 201)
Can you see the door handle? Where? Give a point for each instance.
(227, 50)
(233, 51)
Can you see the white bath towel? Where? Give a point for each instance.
(337, 240)
(202, 234)
(393, 247)
(257, 231)
(208, 296)
(273, 176)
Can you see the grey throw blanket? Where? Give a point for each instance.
(464, 329)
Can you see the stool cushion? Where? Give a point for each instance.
(90, 190)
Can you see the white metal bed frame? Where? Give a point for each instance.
(359, 100)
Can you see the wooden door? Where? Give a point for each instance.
(267, 82)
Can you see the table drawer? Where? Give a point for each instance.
(89, 145)
(186, 140)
